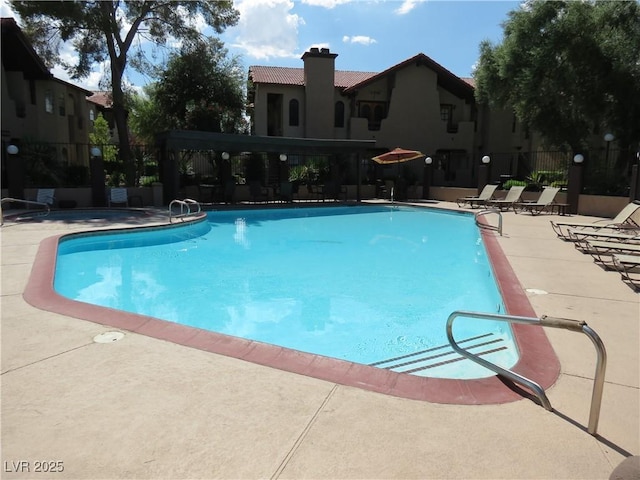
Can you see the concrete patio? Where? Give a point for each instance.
(146, 408)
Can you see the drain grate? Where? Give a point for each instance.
(108, 337)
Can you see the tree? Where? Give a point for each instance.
(101, 30)
(567, 68)
(101, 138)
(201, 89)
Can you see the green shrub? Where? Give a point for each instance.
(513, 183)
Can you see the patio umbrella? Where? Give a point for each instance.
(397, 155)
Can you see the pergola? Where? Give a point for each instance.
(173, 141)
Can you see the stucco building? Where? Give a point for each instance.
(416, 104)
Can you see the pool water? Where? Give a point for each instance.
(364, 284)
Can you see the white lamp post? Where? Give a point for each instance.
(12, 149)
(486, 159)
(608, 137)
(428, 161)
(225, 155)
(95, 152)
(283, 157)
(578, 158)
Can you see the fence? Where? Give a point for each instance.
(606, 172)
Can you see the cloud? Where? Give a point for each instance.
(359, 39)
(267, 29)
(325, 3)
(407, 6)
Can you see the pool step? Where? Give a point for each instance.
(441, 355)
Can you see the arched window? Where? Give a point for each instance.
(294, 117)
(338, 120)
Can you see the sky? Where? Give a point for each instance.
(367, 35)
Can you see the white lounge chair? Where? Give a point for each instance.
(486, 194)
(512, 197)
(603, 252)
(118, 195)
(545, 200)
(46, 195)
(629, 268)
(628, 218)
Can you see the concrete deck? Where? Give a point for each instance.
(146, 408)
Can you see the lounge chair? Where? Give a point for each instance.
(512, 197)
(46, 196)
(486, 194)
(602, 252)
(629, 268)
(545, 200)
(118, 195)
(604, 235)
(628, 218)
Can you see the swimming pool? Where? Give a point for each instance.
(372, 285)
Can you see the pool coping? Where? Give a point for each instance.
(537, 360)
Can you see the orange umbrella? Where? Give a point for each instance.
(397, 155)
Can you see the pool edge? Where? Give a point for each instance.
(538, 361)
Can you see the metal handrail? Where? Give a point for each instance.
(488, 226)
(185, 208)
(544, 321)
(28, 202)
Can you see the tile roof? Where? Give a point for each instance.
(295, 76)
(101, 98)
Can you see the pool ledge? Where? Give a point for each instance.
(537, 361)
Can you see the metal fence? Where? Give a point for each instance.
(606, 172)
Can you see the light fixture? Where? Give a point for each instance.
(225, 155)
(95, 152)
(283, 157)
(578, 158)
(428, 161)
(486, 159)
(12, 149)
(608, 137)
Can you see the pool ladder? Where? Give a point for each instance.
(488, 226)
(544, 321)
(28, 202)
(185, 209)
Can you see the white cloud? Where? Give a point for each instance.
(267, 29)
(359, 39)
(407, 6)
(325, 3)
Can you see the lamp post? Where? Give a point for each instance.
(426, 180)
(96, 168)
(15, 172)
(574, 186)
(608, 137)
(484, 172)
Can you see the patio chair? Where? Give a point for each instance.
(486, 194)
(627, 218)
(513, 196)
(545, 200)
(603, 252)
(119, 196)
(258, 192)
(46, 195)
(629, 268)
(604, 235)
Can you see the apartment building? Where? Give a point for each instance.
(416, 104)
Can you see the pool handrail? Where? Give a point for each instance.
(488, 226)
(544, 321)
(185, 208)
(20, 200)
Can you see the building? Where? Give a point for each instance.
(416, 104)
(36, 106)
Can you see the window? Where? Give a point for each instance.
(48, 101)
(375, 112)
(294, 118)
(61, 106)
(92, 116)
(446, 115)
(338, 121)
